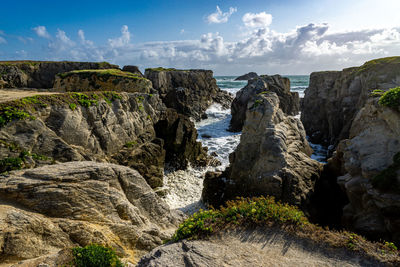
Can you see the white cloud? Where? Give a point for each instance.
(257, 20)
(41, 31)
(83, 40)
(219, 16)
(121, 41)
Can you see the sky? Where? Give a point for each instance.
(229, 37)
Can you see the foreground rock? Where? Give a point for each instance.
(41, 74)
(374, 208)
(271, 159)
(190, 92)
(334, 97)
(288, 101)
(101, 80)
(53, 207)
(112, 127)
(259, 247)
(246, 77)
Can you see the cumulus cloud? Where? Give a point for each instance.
(121, 41)
(41, 31)
(257, 20)
(83, 40)
(219, 16)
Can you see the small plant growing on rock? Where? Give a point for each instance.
(391, 98)
(95, 256)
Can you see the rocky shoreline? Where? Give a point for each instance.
(85, 164)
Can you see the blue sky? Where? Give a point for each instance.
(229, 37)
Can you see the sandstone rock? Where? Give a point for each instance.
(190, 92)
(333, 98)
(288, 101)
(133, 69)
(246, 77)
(58, 206)
(41, 74)
(272, 157)
(101, 80)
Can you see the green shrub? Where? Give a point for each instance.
(95, 256)
(85, 100)
(8, 114)
(72, 106)
(377, 92)
(257, 211)
(391, 98)
(10, 164)
(386, 180)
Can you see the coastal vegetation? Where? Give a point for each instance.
(391, 98)
(95, 255)
(103, 73)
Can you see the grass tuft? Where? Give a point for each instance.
(94, 255)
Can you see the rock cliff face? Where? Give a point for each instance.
(132, 69)
(58, 206)
(40, 74)
(246, 77)
(288, 101)
(333, 98)
(271, 159)
(101, 80)
(371, 184)
(106, 126)
(190, 92)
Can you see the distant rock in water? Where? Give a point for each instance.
(41, 74)
(101, 80)
(190, 92)
(333, 98)
(246, 77)
(133, 69)
(272, 158)
(288, 101)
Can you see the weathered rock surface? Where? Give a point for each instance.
(271, 159)
(246, 77)
(133, 69)
(190, 92)
(101, 80)
(333, 98)
(121, 130)
(260, 247)
(288, 101)
(40, 74)
(373, 141)
(58, 206)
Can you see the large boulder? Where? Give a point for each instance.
(333, 98)
(190, 92)
(272, 158)
(133, 69)
(101, 80)
(41, 74)
(103, 126)
(60, 206)
(371, 172)
(288, 101)
(246, 77)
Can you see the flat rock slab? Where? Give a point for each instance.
(13, 94)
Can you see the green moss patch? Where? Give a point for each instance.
(378, 63)
(386, 180)
(103, 73)
(94, 255)
(391, 98)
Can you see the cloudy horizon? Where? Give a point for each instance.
(229, 40)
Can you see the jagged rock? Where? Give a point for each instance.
(101, 80)
(246, 77)
(373, 142)
(133, 69)
(288, 101)
(41, 74)
(333, 98)
(190, 92)
(58, 206)
(272, 157)
(117, 128)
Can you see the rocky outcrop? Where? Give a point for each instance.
(133, 69)
(190, 92)
(104, 126)
(40, 74)
(333, 98)
(246, 77)
(288, 101)
(370, 182)
(271, 159)
(101, 80)
(58, 206)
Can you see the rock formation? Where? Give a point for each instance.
(58, 206)
(246, 77)
(190, 92)
(333, 98)
(133, 69)
(102, 126)
(101, 80)
(271, 159)
(41, 74)
(288, 101)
